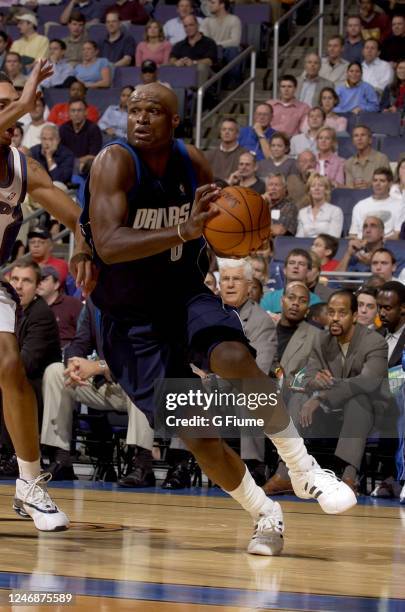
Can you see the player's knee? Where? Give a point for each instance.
(206, 449)
(11, 369)
(229, 359)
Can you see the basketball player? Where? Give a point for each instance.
(145, 216)
(19, 175)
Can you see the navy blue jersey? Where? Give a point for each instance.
(166, 281)
(12, 194)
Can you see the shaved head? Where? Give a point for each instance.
(157, 93)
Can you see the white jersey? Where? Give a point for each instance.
(12, 194)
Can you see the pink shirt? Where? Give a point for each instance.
(287, 117)
(339, 124)
(160, 55)
(333, 168)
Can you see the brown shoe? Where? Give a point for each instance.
(277, 486)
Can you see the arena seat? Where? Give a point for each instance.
(164, 12)
(388, 124)
(49, 13)
(346, 148)
(393, 147)
(58, 31)
(100, 98)
(183, 77)
(346, 200)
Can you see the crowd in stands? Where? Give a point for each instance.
(324, 301)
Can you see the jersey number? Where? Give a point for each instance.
(176, 252)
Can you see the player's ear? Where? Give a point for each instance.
(175, 121)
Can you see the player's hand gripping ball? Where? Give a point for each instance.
(242, 224)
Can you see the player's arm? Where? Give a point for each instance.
(112, 176)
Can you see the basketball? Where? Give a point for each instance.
(242, 225)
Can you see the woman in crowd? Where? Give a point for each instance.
(328, 99)
(94, 71)
(393, 96)
(115, 117)
(328, 163)
(278, 162)
(398, 188)
(320, 217)
(154, 47)
(356, 95)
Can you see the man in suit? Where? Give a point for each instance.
(295, 339)
(310, 84)
(235, 279)
(348, 376)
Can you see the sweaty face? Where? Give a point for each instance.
(367, 309)
(152, 117)
(295, 302)
(7, 95)
(234, 287)
(390, 309)
(340, 317)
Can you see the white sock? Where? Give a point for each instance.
(291, 448)
(29, 469)
(251, 497)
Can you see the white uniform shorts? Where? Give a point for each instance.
(8, 307)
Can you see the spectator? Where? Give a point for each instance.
(226, 30)
(259, 267)
(318, 315)
(309, 83)
(93, 71)
(283, 212)
(154, 47)
(60, 112)
(80, 379)
(149, 74)
(65, 308)
(330, 377)
(89, 9)
(320, 216)
(390, 209)
(288, 112)
(14, 69)
(357, 257)
(62, 70)
(77, 37)
(115, 117)
(398, 188)
(334, 67)
(278, 162)
(391, 309)
(130, 10)
(383, 264)
(18, 135)
(40, 249)
(329, 164)
(211, 282)
(118, 47)
(356, 95)
(328, 99)
(32, 134)
(297, 183)
(3, 48)
(376, 72)
(393, 96)
(353, 47)
(367, 307)
(297, 264)
(245, 175)
(174, 28)
(37, 331)
(224, 159)
(307, 141)
(295, 339)
(326, 246)
(313, 279)
(256, 138)
(57, 160)
(256, 290)
(393, 48)
(81, 136)
(375, 24)
(31, 46)
(195, 50)
(359, 168)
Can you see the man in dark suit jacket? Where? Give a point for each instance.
(348, 375)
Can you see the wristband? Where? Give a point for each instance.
(179, 234)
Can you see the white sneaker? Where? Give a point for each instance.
(387, 489)
(267, 538)
(333, 495)
(402, 495)
(32, 500)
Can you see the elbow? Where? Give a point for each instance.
(105, 250)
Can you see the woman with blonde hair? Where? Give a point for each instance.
(320, 217)
(328, 163)
(154, 47)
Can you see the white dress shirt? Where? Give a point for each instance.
(329, 220)
(378, 73)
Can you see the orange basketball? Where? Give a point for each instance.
(242, 225)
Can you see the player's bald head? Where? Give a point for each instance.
(155, 92)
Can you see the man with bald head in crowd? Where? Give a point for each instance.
(296, 183)
(57, 159)
(256, 138)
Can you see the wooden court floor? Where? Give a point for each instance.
(165, 552)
